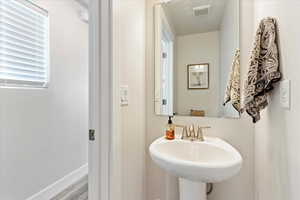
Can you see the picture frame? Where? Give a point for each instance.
(198, 76)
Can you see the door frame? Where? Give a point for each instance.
(104, 110)
(161, 26)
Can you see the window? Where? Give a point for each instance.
(24, 44)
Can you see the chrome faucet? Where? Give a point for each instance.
(190, 134)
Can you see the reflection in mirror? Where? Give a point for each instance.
(195, 44)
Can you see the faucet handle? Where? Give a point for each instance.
(200, 135)
(184, 134)
(205, 127)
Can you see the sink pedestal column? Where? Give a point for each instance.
(190, 190)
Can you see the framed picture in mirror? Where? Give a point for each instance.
(198, 76)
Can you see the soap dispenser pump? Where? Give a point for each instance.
(170, 130)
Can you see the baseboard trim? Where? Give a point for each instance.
(60, 185)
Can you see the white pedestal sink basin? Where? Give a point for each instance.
(196, 163)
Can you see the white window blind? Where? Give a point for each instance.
(24, 44)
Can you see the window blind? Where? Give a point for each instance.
(24, 44)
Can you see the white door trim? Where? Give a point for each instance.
(100, 98)
(116, 138)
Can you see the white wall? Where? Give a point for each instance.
(237, 132)
(277, 160)
(229, 42)
(130, 44)
(197, 49)
(44, 131)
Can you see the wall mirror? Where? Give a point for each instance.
(195, 44)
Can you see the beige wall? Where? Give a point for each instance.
(197, 49)
(238, 132)
(43, 131)
(277, 160)
(131, 60)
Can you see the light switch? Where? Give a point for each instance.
(124, 95)
(285, 90)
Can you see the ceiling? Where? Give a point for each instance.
(180, 13)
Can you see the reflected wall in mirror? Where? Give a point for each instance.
(195, 44)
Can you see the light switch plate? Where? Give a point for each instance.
(285, 94)
(124, 95)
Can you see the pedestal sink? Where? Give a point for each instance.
(196, 163)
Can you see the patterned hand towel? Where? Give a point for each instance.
(263, 71)
(232, 93)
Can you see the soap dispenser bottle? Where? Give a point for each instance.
(170, 130)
